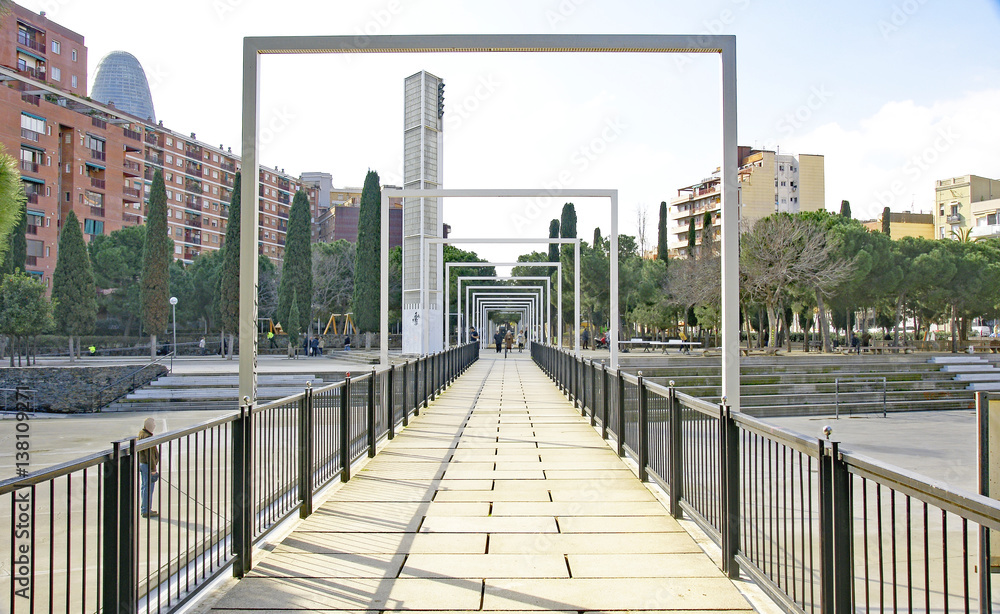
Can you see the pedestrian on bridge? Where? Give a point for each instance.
(149, 475)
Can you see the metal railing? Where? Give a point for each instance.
(77, 541)
(860, 395)
(818, 528)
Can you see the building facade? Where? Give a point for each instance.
(904, 224)
(768, 183)
(43, 50)
(954, 200)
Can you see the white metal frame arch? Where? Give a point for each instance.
(486, 304)
(256, 46)
(463, 323)
(536, 294)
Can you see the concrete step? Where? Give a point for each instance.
(220, 381)
(956, 359)
(830, 410)
(978, 377)
(970, 368)
(985, 386)
(208, 394)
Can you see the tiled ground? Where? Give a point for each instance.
(498, 498)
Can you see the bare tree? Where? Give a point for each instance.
(641, 222)
(333, 276)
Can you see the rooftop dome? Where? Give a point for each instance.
(121, 80)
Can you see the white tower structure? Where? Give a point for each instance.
(422, 144)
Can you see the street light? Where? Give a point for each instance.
(173, 305)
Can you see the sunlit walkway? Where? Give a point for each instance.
(498, 497)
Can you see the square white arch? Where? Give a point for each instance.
(463, 326)
(254, 47)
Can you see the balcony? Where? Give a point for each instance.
(34, 73)
(954, 218)
(193, 222)
(29, 166)
(283, 184)
(194, 152)
(193, 169)
(134, 194)
(153, 139)
(97, 122)
(97, 211)
(193, 202)
(229, 166)
(31, 260)
(131, 134)
(29, 135)
(131, 168)
(98, 154)
(192, 186)
(31, 99)
(148, 173)
(97, 183)
(131, 218)
(32, 197)
(30, 42)
(283, 198)
(153, 158)
(227, 181)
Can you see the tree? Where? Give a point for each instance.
(845, 209)
(692, 238)
(885, 222)
(203, 276)
(12, 203)
(229, 275)
(553, 247)
(73, 288)
(296, 270)
(24, 310)
(567, 222)
(707, 236)
(293, 328)
(333, 276)
(116, 260)
(368, 285)
(662, 238)
(156, 254)
(17, 248)
(641, 222)
(268, 278)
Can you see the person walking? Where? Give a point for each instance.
(201, 346)
(520, 342)
(508, 343)
(149, 475)
(498, 340)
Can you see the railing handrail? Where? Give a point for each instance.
(97, 394)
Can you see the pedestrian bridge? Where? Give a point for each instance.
(460, 482)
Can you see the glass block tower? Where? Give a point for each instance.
(422, 144)
(121, 80)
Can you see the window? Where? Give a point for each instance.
(56, 73)
(34, 252)
(73, 82)
(215, 158)
(170, 160)
(781, 168)
(93, 227)
(94, 199)
(179, 232)
(74, 55)
(56, 47)
(170, 141)
(170, 194)
(954, 209)
(782, 184)
(93, 143)
(33, 222)
(177, 249)
(34, 125)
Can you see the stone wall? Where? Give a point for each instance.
(72, 389)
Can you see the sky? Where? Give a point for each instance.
(895, 94)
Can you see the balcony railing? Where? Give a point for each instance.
(228, 166)
(97, 122)
(32, 99)
(31, 230)
(97, 183)
(32, 197)
(227, 181)
(31, 260)
(192, 169)
(194, 152)
(148, 173)
(131, 218)
(97, 211)
(954, 218)
(132, 193)
(193, 202)
(154, 159)
(98, 154)
(131, 167)
(153, 139)
(29, 166)
(31, 43)
(131, 134)
(192, 239)
(192, 186)
(31, 72)
(29, 135)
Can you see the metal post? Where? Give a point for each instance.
(606, 403)
(345, 430)
(675, 450)
(372, 439)
(242, 503)
(406, 378)
(983, 434)
(730, 481)
(643, 431)
(836, 561)
(730, 249)
(306, 452)
(621, 414)
(390, 401)
(249, 222)
(424, 369)
(593, 394)
(118, 574)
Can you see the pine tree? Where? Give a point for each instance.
(73, 288)
(885, 222)
(296, 273)
(229, 275)
(17, 246)
(662, 243)
(155, 282)
(845, 209)
(692, 238)
(368, 263)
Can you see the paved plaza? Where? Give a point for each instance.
(499, 497)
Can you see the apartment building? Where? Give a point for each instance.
(769, 182)
(43, 50)
(340, 220)
(905, 224)
(961, 205)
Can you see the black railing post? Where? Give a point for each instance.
(372, 439)
(730, 467)
(118, 574)
(390, 401)
(643, 431)
(620, 432)
(606, 401)
(406, 379)
(242, 503)
(345, 430)
(593, 394)
(306, 452)
(675, 451)
(836, 561)
(423, 372)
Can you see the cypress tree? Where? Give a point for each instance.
(845, 209)
(706, 228)
(885, 222)
(155, 282)
(567, 222)
(73, 288)
(597, 238)
(662, 243)
(296, 273)
(229, 276)
(553, 247)
(368, 262)
(692, 238)
(293, 330)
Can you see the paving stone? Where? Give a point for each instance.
(490, 524)
(612, 594)
(329, 565)
(618, 524)
(383, 543)
(485, 566)
(633, 565)
(592, 543)
(578, 508)
(493, 495)
(353, 593)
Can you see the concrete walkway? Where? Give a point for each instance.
(500, 497)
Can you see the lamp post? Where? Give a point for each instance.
(173, 306)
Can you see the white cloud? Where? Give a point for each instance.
(893, 157)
